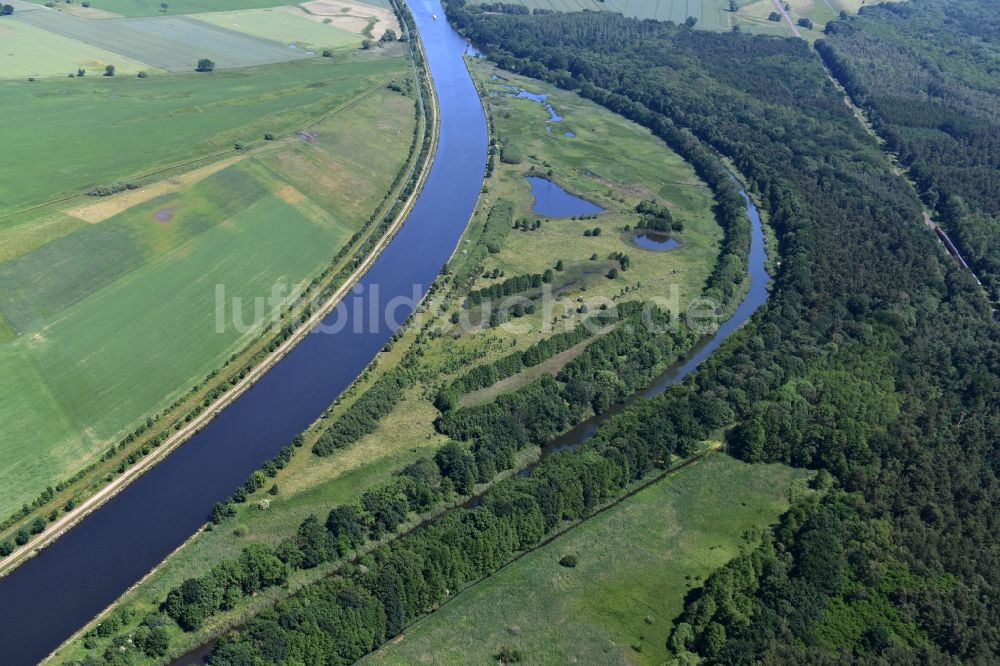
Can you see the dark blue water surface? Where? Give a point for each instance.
(55, 593)
(541, 99)
(655, 241)
(553, 201)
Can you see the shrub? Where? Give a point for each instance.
(205, 65)
(508, 655)
(141, 74)
(568, 561)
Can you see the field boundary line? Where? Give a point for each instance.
(631, 492)
(348, 104)
(109, 491)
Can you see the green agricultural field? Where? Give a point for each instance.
(29, 51)
(138, 8)
(636, 562)
(117, 318)
(284, 27)
(173, 43)
(74, 134)
(141, 8)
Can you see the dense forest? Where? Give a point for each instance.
(875, 360)
(926, 74)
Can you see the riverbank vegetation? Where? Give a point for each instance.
(105, 278)
(385, 478)
(874, 361)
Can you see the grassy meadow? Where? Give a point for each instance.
(611, 162)
(284, 27)
(30, 51)
(109, 315)
(75, 134)
(140, 8)
(626, 165)
(636, 563)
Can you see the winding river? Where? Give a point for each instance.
(72, 580)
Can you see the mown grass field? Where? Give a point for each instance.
(29, 51)
(284, 27)
(115, 319)
(74, 134)
(173, 43)
(636, 563)
(138, 8)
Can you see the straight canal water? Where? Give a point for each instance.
(54, 594)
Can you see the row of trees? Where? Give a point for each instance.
(363, 416)
(488, 374)
(656, 217)
(509, 287)
(875, 359)
(342, 618)
(373, 599)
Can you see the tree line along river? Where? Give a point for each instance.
(55, 593)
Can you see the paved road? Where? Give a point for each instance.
(788, 19)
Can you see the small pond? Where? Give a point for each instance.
(655, 241)
(553, 201)
(520, 93)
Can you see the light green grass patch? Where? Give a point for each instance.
(119, 317)
(636, 562)
(29, 233)
(136, 8)
(6, 330)
(335, 167)
(614, 163)
(74, 134)
(42, 283)
(281, 26)
(127, 349)
(28, 51)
